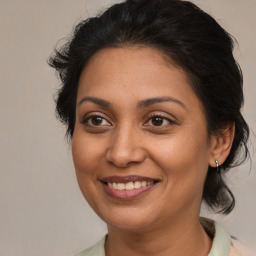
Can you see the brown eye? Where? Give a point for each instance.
(157, 120)
(96, 121)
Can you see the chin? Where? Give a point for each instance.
(133, 220)
(129, 225)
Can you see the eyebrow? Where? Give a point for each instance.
(95, 100)
(140, 105)
(152, 101)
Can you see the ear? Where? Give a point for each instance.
(221, 144)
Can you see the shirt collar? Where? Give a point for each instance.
(221, 239)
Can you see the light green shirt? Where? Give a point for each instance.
(221, 246)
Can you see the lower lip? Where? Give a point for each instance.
(127, 194)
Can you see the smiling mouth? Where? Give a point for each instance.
(128, 187)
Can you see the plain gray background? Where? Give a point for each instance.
(41, 209)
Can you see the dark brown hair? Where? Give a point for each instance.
(194, 41)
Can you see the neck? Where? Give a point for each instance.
(179, 238)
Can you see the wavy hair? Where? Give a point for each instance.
(190, 38)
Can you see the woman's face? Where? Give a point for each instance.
(140, 145)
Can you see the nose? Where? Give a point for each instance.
(125, 148)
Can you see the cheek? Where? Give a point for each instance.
(86, 162)
(85, 153)
(184, 161)
(182, 151)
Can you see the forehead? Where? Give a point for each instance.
(133, 72)
(129, 61)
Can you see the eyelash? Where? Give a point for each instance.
(87, 119)
(163, 117)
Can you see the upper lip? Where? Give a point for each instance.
(126, 179)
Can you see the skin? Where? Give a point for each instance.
(126, 141)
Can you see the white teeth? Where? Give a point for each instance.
(120, 186)
(143, 183)
(130, 185)
(137, 184)
(114, 185)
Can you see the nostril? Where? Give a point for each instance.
(123, 157)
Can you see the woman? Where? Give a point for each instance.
(151, 98)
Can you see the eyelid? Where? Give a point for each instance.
(162, 115)
(87, 116)
(171, 120)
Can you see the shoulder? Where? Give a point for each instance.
(223, 244)
(95, 250)
(239, 249)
